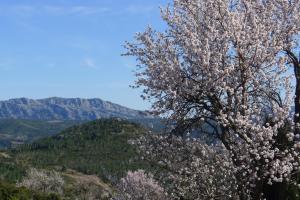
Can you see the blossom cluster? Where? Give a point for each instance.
(41, 180)
(139, 185)
(190, 169)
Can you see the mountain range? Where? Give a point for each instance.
(25, 120)
(56, 108)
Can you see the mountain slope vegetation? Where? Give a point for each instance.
(11, 192)
(99, 147)
(14, 132)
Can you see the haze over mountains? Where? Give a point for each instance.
(66, 109)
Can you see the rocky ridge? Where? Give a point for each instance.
(65, 109)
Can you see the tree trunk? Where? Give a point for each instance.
(297, 108)
(296, 64)
(277, 191)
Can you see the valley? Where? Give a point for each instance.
(26, 120)
(91, 155)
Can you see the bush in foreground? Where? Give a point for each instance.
(44, 181)
(139, 186)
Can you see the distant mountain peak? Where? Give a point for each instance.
(57, 108)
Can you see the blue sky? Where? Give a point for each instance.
(72, 48)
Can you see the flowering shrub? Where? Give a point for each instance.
(192, 170)
(43, 181)
(139, 186)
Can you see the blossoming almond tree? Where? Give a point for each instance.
(227, 63)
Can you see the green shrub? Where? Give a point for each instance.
(11, 192)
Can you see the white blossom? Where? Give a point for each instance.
(226, 63)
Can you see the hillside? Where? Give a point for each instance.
(11, 192)
(14, 132)
(65, 109)
(26, 120)
(99, 147)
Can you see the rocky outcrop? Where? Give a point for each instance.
(65, 109)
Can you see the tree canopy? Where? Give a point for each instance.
(228, 64)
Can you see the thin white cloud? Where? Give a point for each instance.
(129, 63)
(6, 65)
(114, 85)
(28, 26)
(23, 8)
(16, 10)
(137, 9)
(51, 65)
(88, 10)
(78, 10)
(89, 63)
(52, 10)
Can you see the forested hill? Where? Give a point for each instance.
(99, 147)
(65, 109)
(14, 132)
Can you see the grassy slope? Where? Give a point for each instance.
(11, 192)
